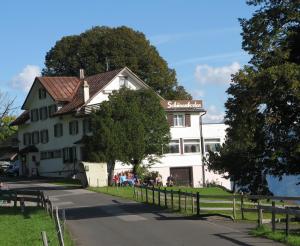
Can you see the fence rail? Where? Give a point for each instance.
(196, 203)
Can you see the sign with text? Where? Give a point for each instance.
(181, 104)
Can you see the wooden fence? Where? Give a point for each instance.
(196, 203)
(38, 197)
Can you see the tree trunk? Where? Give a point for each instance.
(135, 164)
(110, 169)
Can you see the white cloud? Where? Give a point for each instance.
(215, 75)
(213, 115)
(26, 77)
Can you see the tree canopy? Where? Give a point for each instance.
(102, 48)
(263, 108)
(130, 127)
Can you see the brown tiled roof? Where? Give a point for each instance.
(96, 83)
(60, 88)
(21, 119)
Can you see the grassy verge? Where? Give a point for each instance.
(25, 229)
(293, 239)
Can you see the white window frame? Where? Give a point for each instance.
(176, 121)
(191, 141)
(172, 142)
(211, 141)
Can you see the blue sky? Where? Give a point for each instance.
(200, 39)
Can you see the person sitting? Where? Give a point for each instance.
(123, 180)
(158, 180)
(170, 181)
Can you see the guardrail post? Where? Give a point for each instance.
(166, 201)
(287, 219)
(198, 203)
(242, 206)
(158, 196)
(44, 238)
(179, 200)
(153, 197)
(172, 200)
(273, 216)
(146, 194)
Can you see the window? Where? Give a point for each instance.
(44, 136)
(87, 126)
(191, 145)
(34, 115)
(212, 144)
(173, 147)
(178, 120)
(52, 109)
(27, 139)
(43, 113)
(35, 137)
(50, 154)
(69, 155)
(42, 93)
(58, 130)
(123, 82)
(73, 127)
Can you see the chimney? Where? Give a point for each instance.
(85, 86)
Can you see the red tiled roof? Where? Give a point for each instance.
(21, 119)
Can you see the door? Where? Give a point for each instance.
(182, 175)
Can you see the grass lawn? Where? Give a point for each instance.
(293, 239)
(25, 229)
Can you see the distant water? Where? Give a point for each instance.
(284, 187)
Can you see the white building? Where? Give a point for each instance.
(55, 119)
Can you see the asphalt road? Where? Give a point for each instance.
(98, 219)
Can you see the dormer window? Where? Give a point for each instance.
(42, 93)
(124, 82)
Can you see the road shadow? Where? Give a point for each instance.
(239, 239)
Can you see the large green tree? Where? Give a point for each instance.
(102, 48)
(264, 97)
(130, 127)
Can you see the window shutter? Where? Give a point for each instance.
(55, 130)
(187, 120)
(70, 127)
(76, 126)
(171, 119)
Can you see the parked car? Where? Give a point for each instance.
(4, 166)
(13, 169)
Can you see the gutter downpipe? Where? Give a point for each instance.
(202, 149)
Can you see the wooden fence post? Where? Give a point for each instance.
(260, 214)
(198, 203)
(179, 200)
(287, 219)
(158, 196)
(172, 202)
(166, 200)
(234, 207)
(273, 216)
(146, 194)
(242, 206)
(192, 196)
(142, 197)
(44, 238)
(134, 195)
(185, 201)
(153, 195)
